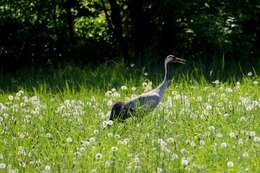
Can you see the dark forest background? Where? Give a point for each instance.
(54, 32)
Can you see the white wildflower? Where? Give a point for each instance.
(230, 164)
(252, 133)
(245, 154)
(109, 103)
(159, 170)
(184, 162)
(240, 141)
(69, 140)
(201, 142)
(133, 88)
(2, 165)
(223, 145)
(255, 82)
(22, 164)
(242, 119)
(250, 74)
(108, 93)
(10, 98)
(110, 122)
(107, 163)
(47, 168)
(92, 140)
(114, 149)
(123, 87)
(232, 135)
(216, 82)
(98, 156)
(257, 139)
(174, 156)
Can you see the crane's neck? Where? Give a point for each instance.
(165, 81)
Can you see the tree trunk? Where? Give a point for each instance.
(118, 28)
(136, 12)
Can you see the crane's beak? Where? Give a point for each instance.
(179, 60)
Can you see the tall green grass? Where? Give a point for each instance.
(56, 120)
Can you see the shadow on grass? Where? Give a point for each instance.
(113, 75)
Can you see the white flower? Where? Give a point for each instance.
(230, 164)
(174, 156)
(69, 139)
(255, 82)
(232, 135)
(252, 134)
(2, 165)
(170, 140)
(114, 149)
(110, 122)
(249, 73)
(107, 163)
(47, 168)
(159, 170)
(108, 93)
(257, 139)
(92, 140)
(216, 82)
(184, 162)
(104, 124)
(242, 118)
(98, 156)
(96, 132)
(201, 142)
(223, 145)
(109, 103)
(132, 65)
(124, 87)
(10, 98)
(245, 154)
(240, 141)
(22, 164)
(133, 88)
(146, 74)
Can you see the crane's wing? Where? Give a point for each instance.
(147, 101)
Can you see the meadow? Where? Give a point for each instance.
(58, 121)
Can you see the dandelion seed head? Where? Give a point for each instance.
(69, 140)
(230, 164)
(10, 98)
(47, 168)
(123, 87)
(114, 149)
(2, 165)
(232, 135)
(223, 145)
(257, 139)
(184, 162)
(98, 155)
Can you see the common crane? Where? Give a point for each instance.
(146, 101)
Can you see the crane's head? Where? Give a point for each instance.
(174, 59)
(116, 110)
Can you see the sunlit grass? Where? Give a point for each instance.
(57, 122)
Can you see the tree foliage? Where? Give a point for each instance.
(35, 32)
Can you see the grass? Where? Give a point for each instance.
(56, 121)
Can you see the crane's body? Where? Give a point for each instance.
(146, 101)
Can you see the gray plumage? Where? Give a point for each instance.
(146, 101)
